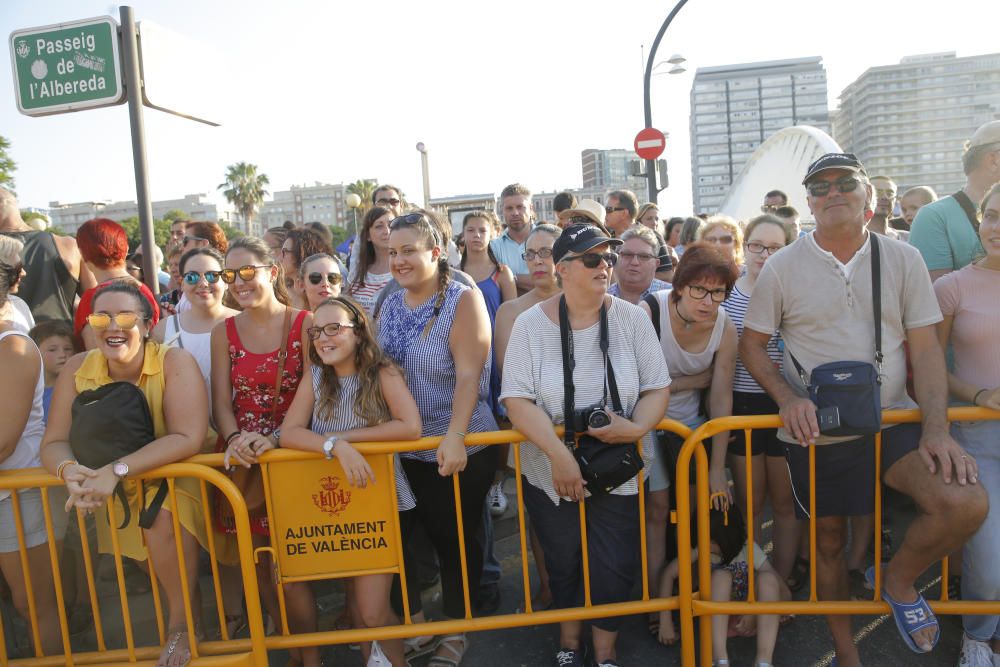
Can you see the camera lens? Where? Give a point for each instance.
(598, 419)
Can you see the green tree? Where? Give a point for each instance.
(244, 188)
(340, 234)
(175, 214)
(27, 216)
(363, 188)
(230, 231)
(7, 165)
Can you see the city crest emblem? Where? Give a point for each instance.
(331, 499)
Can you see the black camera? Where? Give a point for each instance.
(593, 417)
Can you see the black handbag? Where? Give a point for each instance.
(604, 466)
(852, 387)
(110, 422)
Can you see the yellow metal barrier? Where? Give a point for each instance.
(254, 650)
(254, 647)
(700, 604)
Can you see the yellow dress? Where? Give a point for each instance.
(93, 373)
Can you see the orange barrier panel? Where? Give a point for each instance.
(700, 604)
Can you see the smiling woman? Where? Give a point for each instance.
(173, 388)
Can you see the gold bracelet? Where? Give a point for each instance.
(62, 466)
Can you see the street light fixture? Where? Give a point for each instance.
(353, 201)
(646, 104)
(422, 149)
(676, 59)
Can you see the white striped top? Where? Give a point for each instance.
(533, 370)
(367, 294)
(344, 419)
(736, 308)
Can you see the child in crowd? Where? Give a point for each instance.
(730, 581)
(57, 344)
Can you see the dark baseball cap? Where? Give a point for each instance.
(579, 238)
(848, 161)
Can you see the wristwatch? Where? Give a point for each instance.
(328, 446)
(120, 469)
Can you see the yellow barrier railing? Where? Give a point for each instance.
(701, 605)
(201, 467)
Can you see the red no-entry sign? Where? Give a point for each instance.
(649, 143)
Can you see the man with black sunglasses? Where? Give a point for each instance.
(819, 292)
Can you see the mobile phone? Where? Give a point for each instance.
(828, 418)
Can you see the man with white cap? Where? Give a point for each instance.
(946, 232)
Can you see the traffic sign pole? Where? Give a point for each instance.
(133, 86)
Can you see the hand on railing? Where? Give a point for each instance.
(989, 398)
(451, 454)
(355, 466)
(718, 486)
(245, 448)
(799, 417)
(75, 475)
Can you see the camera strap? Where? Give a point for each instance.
(569, 364)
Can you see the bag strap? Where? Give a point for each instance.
(877, 302)
(177, 325)
(654, 310)
(569, 391)
(876, 310)
(611, 384)
(282, 355)
(969, 207)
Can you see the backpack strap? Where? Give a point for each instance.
(654, 309)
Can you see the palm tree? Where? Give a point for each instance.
(363, 188)
(244, 189)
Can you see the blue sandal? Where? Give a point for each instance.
(909, 616)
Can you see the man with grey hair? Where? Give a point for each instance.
(947, 232)
(818, 293)
(55, 270)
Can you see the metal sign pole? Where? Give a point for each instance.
(133, 86)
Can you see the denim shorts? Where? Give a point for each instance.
(32, 518)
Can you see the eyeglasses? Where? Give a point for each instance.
(627, 256)
(408, 219)
(246, 273)
(101, 321)
(333, 278)
(698, 293)
(719, 240)
(888, 194)
(613, 209)
(758, 248)
(331, 330)
(193, 277)
(188, 239)
(530, 255)
(768, 208)
(384, 201)
(592, 260)
(822, 188)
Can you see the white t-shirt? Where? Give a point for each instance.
(19, 314)
(25, 454)
(533, 370)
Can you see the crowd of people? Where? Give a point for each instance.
(422, 330)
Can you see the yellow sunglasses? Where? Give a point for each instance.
(100, 321)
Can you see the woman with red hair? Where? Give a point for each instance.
(104, 246)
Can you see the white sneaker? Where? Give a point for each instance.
(975, 654)
(497, 499)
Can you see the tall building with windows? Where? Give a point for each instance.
(910, 121)
(735, 108)
(610, 169)
(321, 202)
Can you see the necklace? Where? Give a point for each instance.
(687, 322)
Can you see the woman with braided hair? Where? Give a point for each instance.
(438, 331)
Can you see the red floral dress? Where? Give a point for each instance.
(253, 376)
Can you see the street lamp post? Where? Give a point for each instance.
(427, 179)
(353, 201)
(646, 105)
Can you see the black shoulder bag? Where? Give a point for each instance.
(110, 422)
(852, 387)
(604, 466)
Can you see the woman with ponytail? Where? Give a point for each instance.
(438, 331)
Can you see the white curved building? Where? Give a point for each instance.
(778, 164)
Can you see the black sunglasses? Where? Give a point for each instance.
(333, 278)
(592, 260)
(844, 185)
(613, 209)
(388, 202)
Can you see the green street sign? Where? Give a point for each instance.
(67, 67)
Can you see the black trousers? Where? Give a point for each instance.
(435, 512)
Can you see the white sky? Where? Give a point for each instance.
(499, 92)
